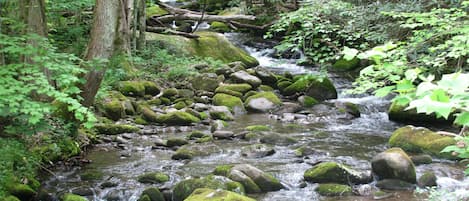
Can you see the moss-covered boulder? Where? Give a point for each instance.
(132, 88)
(219, 27)
(253, 179)
(332, 172)
(421, 140)
(221, 112)
(223, 170)
(177, 118)
(176, 141)
(73, 197)
(318, 87)
(170, 93)
(206, 82)
(244, 77)
(262, 102)
(183, 154)
(397, 112)
(114, 105)
(234, 103)
(184, 188)
(334, 190)
(209, 44)
(153, 178)
(241, 88)
(307, 101)
(346, 65)
(266, 76)
(394, 163)
(428, 179)
(151, 194)
(207, 194)
(258, 128)
(21, 191)
(114, 129)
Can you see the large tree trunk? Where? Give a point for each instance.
(109, 36)
(142, 24)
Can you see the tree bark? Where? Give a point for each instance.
(142, 25)
(109, 36)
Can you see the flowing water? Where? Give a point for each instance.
(332, 137)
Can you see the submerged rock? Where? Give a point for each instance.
(421, 140)
(332, 172)
(394, 163)
(207, 194)
(277, 139)
(334, 190)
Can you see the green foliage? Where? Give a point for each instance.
(27, 94)
(461, 149)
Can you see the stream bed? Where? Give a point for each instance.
(332, 137)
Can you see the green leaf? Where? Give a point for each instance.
(462, 119)
(349, 53)
(384, 91)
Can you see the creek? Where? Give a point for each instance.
(332, 137)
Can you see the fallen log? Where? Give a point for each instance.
(163, 30)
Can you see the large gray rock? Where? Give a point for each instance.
(266, 76)
(263, 102)
(221, 112)
(244, 77)
(394, 163)
(264, 181)
(206, 82)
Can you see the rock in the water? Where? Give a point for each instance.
(257, 151)
(394, 184)
(178, 118)
(421, 140)
(151, 194)
(173, 142)
(223, 134)
(428, 179)
(332, 172)
(182, 154)
(153, 178)
(207, 194)
(263, 102)
(288, 107)
(244, 77)
(421, 159)
(264, 181)
(320, 88)
(184, 188)
(73, 197)
(334, 190)
(249, 185)
(399, 113)
(394, 163)
(114, 129)
(206, 82)
(221, 112)
(307, 101)
(234, 103)
(277, 139)
(346, 65)
(266, 76)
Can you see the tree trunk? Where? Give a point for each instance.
(109, 36)
(142, 25)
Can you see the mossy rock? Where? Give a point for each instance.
(10, 198)
(257, 128)
(206, 82)
(148, 114)
(153, 178)
(262, 102)
(334, 190)
(60, 150)
(173, 142)
(132, 88)
(114, 129)
(180, 105)
(207, 138)
(266, 88)
(209, 44)
(397, 112)
(183, 154)
(91, 175)
(155, 11)
(21, 191)
(421, 140)
(318, 87)
(229, 92)
(155, 102)
(207, 194)
(232, 102)
(307, 101)
(73, 197)
(151, 194)
(331, 172)
(219, 27)
(170, 93)
(184, 188)
(346, 65)
(165, 101)
(141, 121)
(196, 135)
(253, 179)
(151, 88)
(241, 88)
(177, 118)
(223, 170)
(112, 106)
(394, 163)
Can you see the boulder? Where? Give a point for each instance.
(277, 139)
(209, 44)
(184, 188)
(219, 27)
(114, 105)
(346, 65)
(394, 163)
(151, 194)
(263, 102)
(266, 76)
(21, 191)
(207, 194)
(332, 172)
(234, 103)
(320, 88)
(307, 101)
(249, 185)
(257, 151)
(421, 140)
(221, 112)
(176, 142)
(206, 82)
(177, 118)
(244, 77)
(153, 178)
(264, 181)
(115, 129)
(73, 197)
(334, 190)
(170, 93)
(240, 88)
(132, 88)
(223, 134)
(421, 159)
(288, 107)
(428, 179)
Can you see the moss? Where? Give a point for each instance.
(184, 188)
(151, 88)
(309, 101)
(236, 187)
(249, 94)
(282, 85)
(268, 95)
(421, 140)
(207, 138)
(91, 175)
(334, 190)
(203, 115)
(257, 128)
(172, 142)
(229, 101)
(399, 113)
(165, 101)
(113, 109)
(73, 197)
(170, 93)
(149, 115)
(153, 178)
(346, 65)
(209, 44)
(10, 198)
(241, 88)
(320, 88)
(266, 88)
(223, 170)
(229, 92)
(268, 183)
(249, 185)
(180, 105)
(114, 129)
(216, 195)
(177, 118)
(326, 172)
(154, 102)
(155, 11)
(219, 27)
(132, 88)
(22, 191)
(196, 134)
(151, 194)
(182, 154)
(221, 115)
(139, 120)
